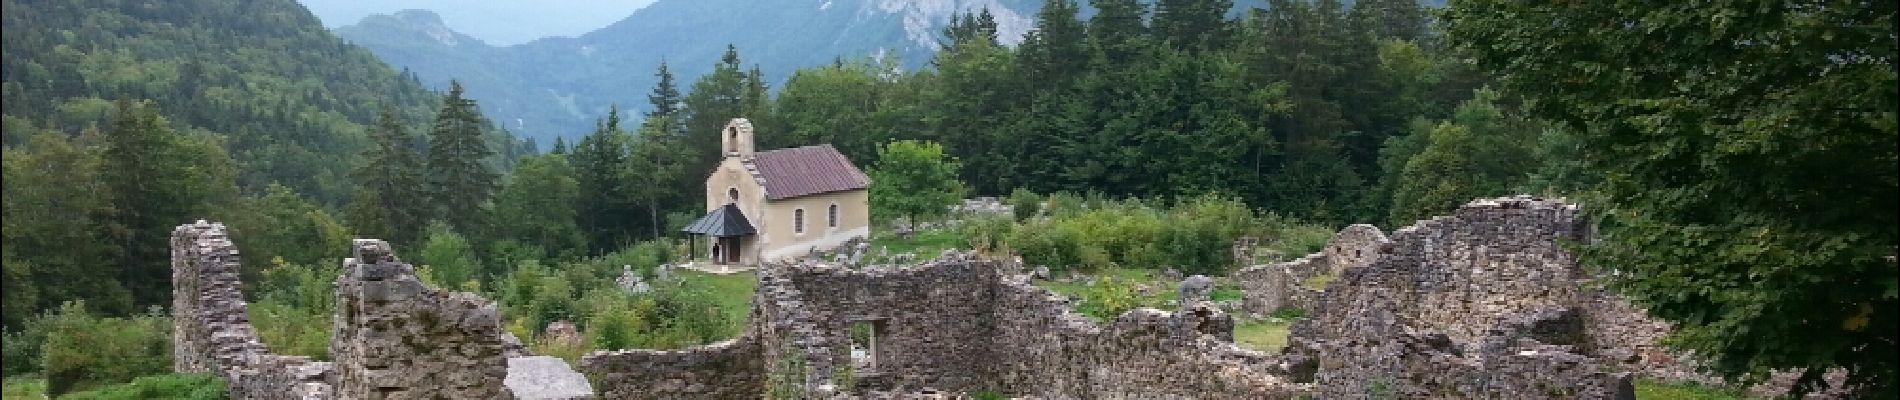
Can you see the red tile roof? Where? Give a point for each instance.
(804, 171)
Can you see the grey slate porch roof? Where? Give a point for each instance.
(725, 221)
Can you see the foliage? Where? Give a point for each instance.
(1747, 156)
(124, 119)
(536, 207)
(390, 201)
(168, 386)
(1107, 298)
(458, 183)
(1192, 236)
(83, 351)
(1658, 390)
(294, 306)
(20, 349)
(23, 387)
(282, 226)
(1024, 204)
(913, 179)
(449, 256)
(1481, 152)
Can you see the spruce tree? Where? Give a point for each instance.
(1193, 24)
(157, 180)
(390, 202)
(666, 98)
(458, 182)
(600, 168)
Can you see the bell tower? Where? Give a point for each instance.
(736, 139)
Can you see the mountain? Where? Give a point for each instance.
(505, 22)
(559, 86)
(289, 99)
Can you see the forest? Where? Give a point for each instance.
(1741, 167)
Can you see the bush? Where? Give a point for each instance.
(20, 351)
(1108, 298)
(82, 351)
(292, 330)
(168, 386)
(987, 233)
(1024, 204)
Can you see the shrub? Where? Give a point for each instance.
(82, 351)
(292, 330)
(1107, 298)
(168, 386)
(20, 351)
(1024, 204)
(987, 233)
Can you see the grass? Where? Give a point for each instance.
(1650, 389)
(732, 292)
(167, 386)
(925, 244)
(23, 388)
(1318, 282)
(1262, 334)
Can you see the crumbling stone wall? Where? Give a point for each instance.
(211, 331)
(1272, 287)
(962, 323)
(1486, 302)
(730, 369)
(397, 338)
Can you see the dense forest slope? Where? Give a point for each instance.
(558, 86)
(125, 118)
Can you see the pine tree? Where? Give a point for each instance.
(157, 180)
(1053, 54)
(458, 182)
(755, 103)
(390, 200)
(1193, 24)
(601, 174)
(655, 164)
(666, 98)
(716, 99)
(1116, 30)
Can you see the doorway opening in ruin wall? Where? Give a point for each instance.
(866, 334)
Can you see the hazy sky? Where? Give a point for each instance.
(498, 22)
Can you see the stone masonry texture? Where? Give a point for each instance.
(1484, 303)
(211, 332)
(397, 338)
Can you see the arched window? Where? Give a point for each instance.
(832, 219)
(798, 221)
(732, 195)
(732, 134)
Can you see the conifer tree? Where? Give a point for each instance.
(666, 98)
(157, 180)
(458, 182)
(390, 202)
(600, 168)
(1193, 24)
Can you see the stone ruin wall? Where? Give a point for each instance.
(1483, 303)
(726, 370)
(1272, 287)
(393, 336)
(1486, 302)
(957, 324)
(1045, 349)
(397, 338)
(211, 331)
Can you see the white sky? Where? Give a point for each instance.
(498, 22)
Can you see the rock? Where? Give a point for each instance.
(545, 378)
(1041, 273)
(1195, 289)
